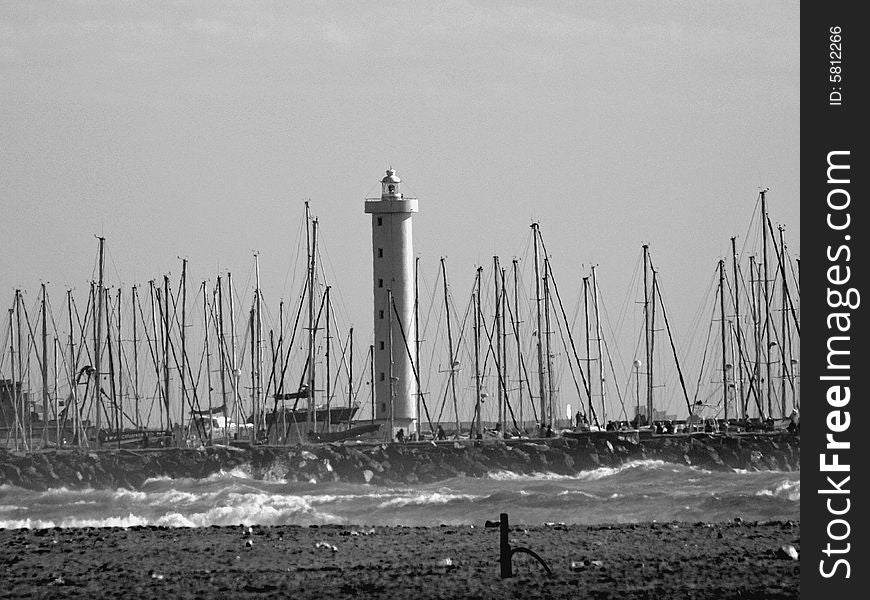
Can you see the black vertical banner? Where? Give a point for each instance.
(834, 373)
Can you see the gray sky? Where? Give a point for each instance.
(199, 129)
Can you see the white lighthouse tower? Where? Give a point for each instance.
(393, 260)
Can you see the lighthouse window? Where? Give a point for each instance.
(380, 221)
(380, 252)
(382, 345)
(383, 407)
(380, 283)
(382, 376)
(381, 314)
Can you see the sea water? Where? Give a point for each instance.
(635, 492)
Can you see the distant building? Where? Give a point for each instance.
(658, 415)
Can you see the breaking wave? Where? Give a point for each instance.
(642, 490)
(787, 488)
(427, 498)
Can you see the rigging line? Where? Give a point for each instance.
(781, 270)
(82, 327)
(634, 284)
(549, 271)
(746, 289)
(190, 401)
(427, 319)
(362, 377)
(570, 336)
(325, 258)
(462, 349)
(342, 362)
(615, 380)
(288, 352)
(151, 348)
(515, 323)
(294, 263)
(570, 365)
(241, 300)
(307, 365)
(435, 338)
(154, 396)
(184, 350)
(636, 352)
(112, 260)
(794, 277)
(500, 380)
(704, 357)
(657, 289)
(607, 321)
(413, 366)
(695, 325)
(50, 313)
(31, 344)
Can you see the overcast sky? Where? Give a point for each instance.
(198, 130)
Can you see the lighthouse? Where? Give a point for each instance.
(393, 281)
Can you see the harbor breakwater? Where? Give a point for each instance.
(395, 463)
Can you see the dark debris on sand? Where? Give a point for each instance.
(642, 561)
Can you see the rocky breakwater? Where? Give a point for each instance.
(391, 464)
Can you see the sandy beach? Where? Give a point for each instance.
(651, 560)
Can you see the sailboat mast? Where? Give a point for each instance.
(453, 365)
(498, 340)
(207, 361)
(519, 347)
(222, 344)
(783, 348)
(20, 402)
(279, 383)
(722, 329)
(504, 364)
(416, 342)
(739, 361)
(312, 273)
(652, 342)
(44, 369)
(183, 333)
(646, 331)
(236, 373)
(540, 350)
(350, 385)
(478, 425)
(57, 438)
(166, 350)
(133, 302)
(120, 371)
(547, 333)
(119, 403)
(13, 392)
(588, 352)
(327, 359)
(98, 326)
(152, 292)
(766, 302)
(73, 368)
(252, 320)
(756, 334)
(598, 342)
(258, 386)
(113, 415)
